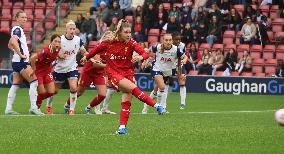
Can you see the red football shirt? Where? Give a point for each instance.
(119, 55)
(45, 57)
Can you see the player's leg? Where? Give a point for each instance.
(105, 108)
(59, 79)
(50, 91)
(162, 95)
(124, 113)
(17, 80)
(98, 99)
(153, 95)
(73, 94)
(182, 90)
(127, 86)
(41, 91)
(28, 74)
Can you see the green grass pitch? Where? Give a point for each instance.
(208, 125)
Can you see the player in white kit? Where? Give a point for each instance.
(166, 56)
(66, 65)
(21, 67)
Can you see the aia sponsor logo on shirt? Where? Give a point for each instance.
(69, 52)
(165, 59)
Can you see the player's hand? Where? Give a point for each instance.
(83, 60)
(62, 56)
(183, 61)
(136, 59)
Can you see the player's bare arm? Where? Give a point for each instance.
(14, 46)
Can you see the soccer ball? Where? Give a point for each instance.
(279, 117)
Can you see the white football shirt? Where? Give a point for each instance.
(18, 32)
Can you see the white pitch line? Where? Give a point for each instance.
(174, 113)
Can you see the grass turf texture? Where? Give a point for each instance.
(181, 131)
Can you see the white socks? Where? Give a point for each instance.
(33, 94)
(109, 93)
(11, 97)
(163, 98)
(73, 99)
(182, 92)
(49, 101)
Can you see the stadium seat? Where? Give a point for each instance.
(217, 46)
(28, 27)
(40, 6)
(280, 52)
(192, 72)
(277, 25)
(270, 36)
(18, 5)
(257, 65)
(129, 19)
(7, 5)
(270, 66)
(49, 24)
(5, 23)
(268, 51)
(163, 32)
(219, 73)
(228, 37)
(39, 11)
(279, 36)
(247, 74)
(153, 40)
(30, 17)
(235, 74)
(64, 9)
(154, 32)
(29, 11)
(260, 74)
(29, 5)
(255, 51)
(228, 47)
(6, 11)
(241, 48)
(238, 36)
(273, 11)
(204, 46)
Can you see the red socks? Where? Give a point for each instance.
(125, 112)
(41, 97)
(143, 97)
(97, 100)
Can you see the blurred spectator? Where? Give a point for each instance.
(79, 21)
(201, 33)
(214, 31)
(216, 60)
(114, 11)
(194, 57)
(199, 3)
(248, 32)
(101, 28)
(150, 17)
(97, 3)
(199, 17)
(186, 16)
(138, 11)
(262, 27)
(279, 69)
(249, 11)
(172, 25)
(234, 20)
(89, 28)
(175, 12)
(203, 66)
(209, 3)
(258, 15)
(126, 7)
(136, 3)
(114, 23)
(187, 34)
(244, 64)
(266, 2)
(160, 24)
(162, 13)
(214, 11)
(230, 62)
(102, 12)
(139, 30)
(225, 9)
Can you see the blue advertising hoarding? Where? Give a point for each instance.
(201, 84)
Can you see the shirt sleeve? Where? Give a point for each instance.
(140, 50)
(17, 32)
(98, 49)
(41, 55)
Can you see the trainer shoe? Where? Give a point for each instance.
(36, 112)
(71, 112)
(182, 106)
(122, 131)
(66, 109)
(49, 110)
(88, 110)
(11, 112)
(160, 110)
(106, 111)
(145, 110)
(99, 112)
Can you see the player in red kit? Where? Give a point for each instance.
(41, 63)
(120, 70)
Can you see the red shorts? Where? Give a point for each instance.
(113, 79)
(44, 79)
(86, 80)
